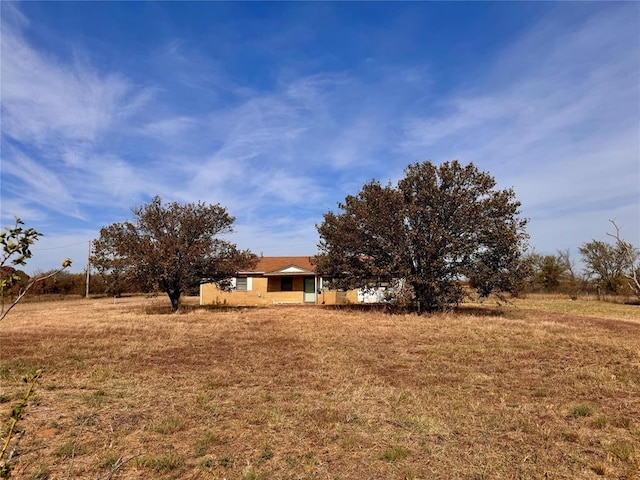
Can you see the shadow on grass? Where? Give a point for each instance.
(165, 309)
(476, 310)
(390, 309)
(481, 311)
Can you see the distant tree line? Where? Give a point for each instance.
(65, 283)
(609, 268)
(75, 284)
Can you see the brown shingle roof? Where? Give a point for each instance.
(273, 264)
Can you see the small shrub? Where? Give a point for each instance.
(599, 469)
(540, 393)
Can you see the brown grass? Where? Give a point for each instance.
(526, 391)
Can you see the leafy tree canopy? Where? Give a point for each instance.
(440, 225)
(172, 247)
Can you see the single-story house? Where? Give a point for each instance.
(278, 280)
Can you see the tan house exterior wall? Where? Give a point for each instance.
(264, 291)
(210, 294)
(260, 295)
(338, 297)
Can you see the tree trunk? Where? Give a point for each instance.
(175, 300)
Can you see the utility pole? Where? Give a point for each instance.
(88, 270)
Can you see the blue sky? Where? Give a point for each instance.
(279, 110)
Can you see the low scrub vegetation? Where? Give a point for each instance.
(544, 388)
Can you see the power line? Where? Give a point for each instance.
(36, 249)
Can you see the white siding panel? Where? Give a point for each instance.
(374, 295)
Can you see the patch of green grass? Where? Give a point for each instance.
(540, 393)
(65, 450)
(395, 453)
(623, 450)
(570, 436)
(162, 463)
(169, 425)
(96, 399)
(42, 473)
(204, 442)
(480, 476)
(109, 461)
(348, 443)
(411, 475)
(250, 473)
(581, 411)
(600, 422)
(208, 405)
(622, 422)
(15, 369)
(267, 454)
(268, 397)
(70, 449)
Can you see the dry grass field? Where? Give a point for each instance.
(546, 388)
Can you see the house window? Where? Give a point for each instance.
(241, 284)
(286, 284)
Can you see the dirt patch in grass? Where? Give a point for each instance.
(321, 393)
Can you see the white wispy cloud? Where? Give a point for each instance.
(64, 114)
(41, 185)
(168, 128)
(44, 101)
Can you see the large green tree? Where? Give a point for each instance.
(171, 246)
(439, 226)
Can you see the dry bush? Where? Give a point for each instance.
(526, 391)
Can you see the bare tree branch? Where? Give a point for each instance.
(631, 255)
(32, 282)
